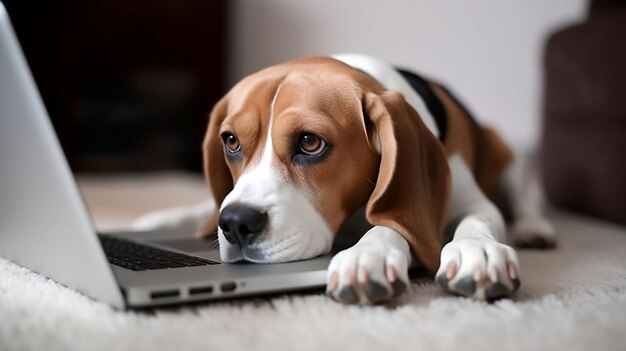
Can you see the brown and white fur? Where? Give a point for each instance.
(380, 152)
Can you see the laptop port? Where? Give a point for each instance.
(228, 286)
(201, 290)
(164, 293)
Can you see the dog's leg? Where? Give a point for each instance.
(525, 197)
(188, 217)
(476, 263)
(373, 270)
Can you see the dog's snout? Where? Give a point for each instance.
(241, 224)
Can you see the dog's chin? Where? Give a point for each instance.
(296, 249)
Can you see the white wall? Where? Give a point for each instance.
(487, 51)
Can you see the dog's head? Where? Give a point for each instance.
(295, 149)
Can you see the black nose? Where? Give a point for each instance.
(241, 224)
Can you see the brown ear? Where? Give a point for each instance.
(216, 170)
(412, 191)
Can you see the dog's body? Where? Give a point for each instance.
(293, 150)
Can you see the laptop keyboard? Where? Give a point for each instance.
(138, 257)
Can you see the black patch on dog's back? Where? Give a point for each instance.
(431, 100)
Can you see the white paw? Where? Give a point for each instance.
(533, 232)
(480, 268)
(372, 271)
(188, 217)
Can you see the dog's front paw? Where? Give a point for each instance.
(480, 268)
(367, 275)
(373, 271)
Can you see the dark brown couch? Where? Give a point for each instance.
(584, 140)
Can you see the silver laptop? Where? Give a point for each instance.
(44, 224)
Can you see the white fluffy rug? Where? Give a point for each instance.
(573, 298)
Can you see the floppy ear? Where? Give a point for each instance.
(413, 187)
(216, 170)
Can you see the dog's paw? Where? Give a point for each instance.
(533, 232)
(373, 271)
(367, 275)
(479, 268)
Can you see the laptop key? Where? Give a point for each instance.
(154, 266)
(126, 265)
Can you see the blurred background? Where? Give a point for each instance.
(129, 84)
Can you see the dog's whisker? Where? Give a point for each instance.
(213, 244)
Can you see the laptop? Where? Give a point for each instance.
(45, 226)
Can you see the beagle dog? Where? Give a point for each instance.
(294, 150)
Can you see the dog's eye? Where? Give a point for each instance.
(311, 144)
(231, 142)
